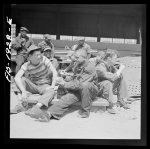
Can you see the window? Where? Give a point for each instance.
(91, 39)
(106, 40)
(118, 40)
(76, 38)
(130, 41)
(53, 37)
(65, 37)
(40, 36)
(36, 36)
(29, 35)
(13, 31)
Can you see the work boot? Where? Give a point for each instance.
(83, 114)
(123, 104)
(34, 110)
(17, 109)
(44, 116)
(38, 114)
(111, 110)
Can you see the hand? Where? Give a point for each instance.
(23, 42)
(122, 66)
(25, 94)
(50, 87)
(118, 73)
(60, 81)
(63, 71)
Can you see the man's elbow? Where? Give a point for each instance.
(17, 78)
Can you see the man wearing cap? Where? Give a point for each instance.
(21, 44)
(47, 43)
(81, 45)
(42, 80)
(48, 53)
(81, 87)
(96, 60)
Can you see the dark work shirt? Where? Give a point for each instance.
(106, 72)
(21, 44)
(87, 73)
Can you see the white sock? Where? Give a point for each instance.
(39, 104)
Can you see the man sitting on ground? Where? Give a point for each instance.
(111, 80)
(42, 80)
(81, 87)
(99, 57)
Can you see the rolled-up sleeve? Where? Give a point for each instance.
(104, 74)
(72, 85)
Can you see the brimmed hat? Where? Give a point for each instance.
(24, 29)
(33, 48)
(47, 48)
(47, 36)
(81, 38)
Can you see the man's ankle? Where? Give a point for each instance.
(39, 104)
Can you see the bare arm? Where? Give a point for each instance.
(53, 69)
(53, 50)
(121, 68)
(103, 73)
(18, 80)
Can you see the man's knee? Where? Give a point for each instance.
(68, 99)
(107, 84)
(87, 85)
(51, 92)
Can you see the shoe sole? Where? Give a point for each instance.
(40, 117)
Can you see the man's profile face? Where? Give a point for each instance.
(80, 56)
(81, 42)
(23, 33)
(36, 57)
(47, 53)
(112, 59)
(47, 40)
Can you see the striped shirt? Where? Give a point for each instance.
(40, 74)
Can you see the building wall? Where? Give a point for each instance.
(78, 20)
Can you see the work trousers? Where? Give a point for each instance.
(107, 89)
(46, 93)
(87, 92)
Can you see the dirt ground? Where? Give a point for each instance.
(126, 124)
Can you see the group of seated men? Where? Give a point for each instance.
(83, 80)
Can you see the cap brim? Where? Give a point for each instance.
(33, 50)
(24, 30)
(48, 49)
